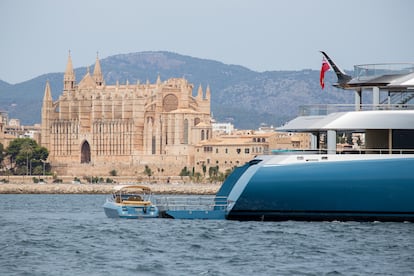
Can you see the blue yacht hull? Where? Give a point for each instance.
(361, 190)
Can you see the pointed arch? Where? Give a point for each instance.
(185, 131)
(153, 145)
(85, 153)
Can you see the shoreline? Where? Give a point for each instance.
(180, 188)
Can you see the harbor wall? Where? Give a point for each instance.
(69, 179)
(170, 188)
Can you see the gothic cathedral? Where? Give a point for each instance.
(94, 128)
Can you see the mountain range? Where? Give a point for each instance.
(239, 95)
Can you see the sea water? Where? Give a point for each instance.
(70, 235)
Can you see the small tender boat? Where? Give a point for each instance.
(132, 202)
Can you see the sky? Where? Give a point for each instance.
(262, 35)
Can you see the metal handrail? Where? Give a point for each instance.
(364, 71)
(342, 151)
(377, 151)
(325, 109)
(191, 203)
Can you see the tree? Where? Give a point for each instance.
(2, 155)
(204, 170)
(40, 153)
(14, 150)
(184, 172)
(25, 151)
(37, 170)
(213, 171)
(147, 171)
(228, 172)
(197, 176)
(349, 139)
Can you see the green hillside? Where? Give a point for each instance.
(239, 95)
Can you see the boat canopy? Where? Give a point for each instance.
(132, 187)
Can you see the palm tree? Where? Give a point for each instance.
(27, 150)
(2, 154)
(148, 171)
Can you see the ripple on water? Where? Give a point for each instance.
(70, 235)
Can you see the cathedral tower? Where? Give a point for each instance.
(69, 77)
(93, 127)
(47, 109)
(97, 73)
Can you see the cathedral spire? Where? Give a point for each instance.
(69, 77)
(208, 93)
(48, 95)
(200, 93)
(158, 79)
(97, 73)
(69, 66)
(47, 110)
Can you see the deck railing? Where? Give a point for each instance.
(325, 109)
(366, 71)
(191, 203)
(341, 151)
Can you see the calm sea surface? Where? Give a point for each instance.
(70, 235)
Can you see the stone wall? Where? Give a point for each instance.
(183, 188)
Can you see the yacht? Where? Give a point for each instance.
(371, 179)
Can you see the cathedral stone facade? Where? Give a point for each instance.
(94, 128)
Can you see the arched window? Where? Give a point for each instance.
(185, 131)
(85, 153)
(153, 146)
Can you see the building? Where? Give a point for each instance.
(94, 128)
(222, 128)
(16, 130)
(292, 141)
(228, 151)
(11, 129)
(3, 123)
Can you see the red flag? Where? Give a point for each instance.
(325, 67)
